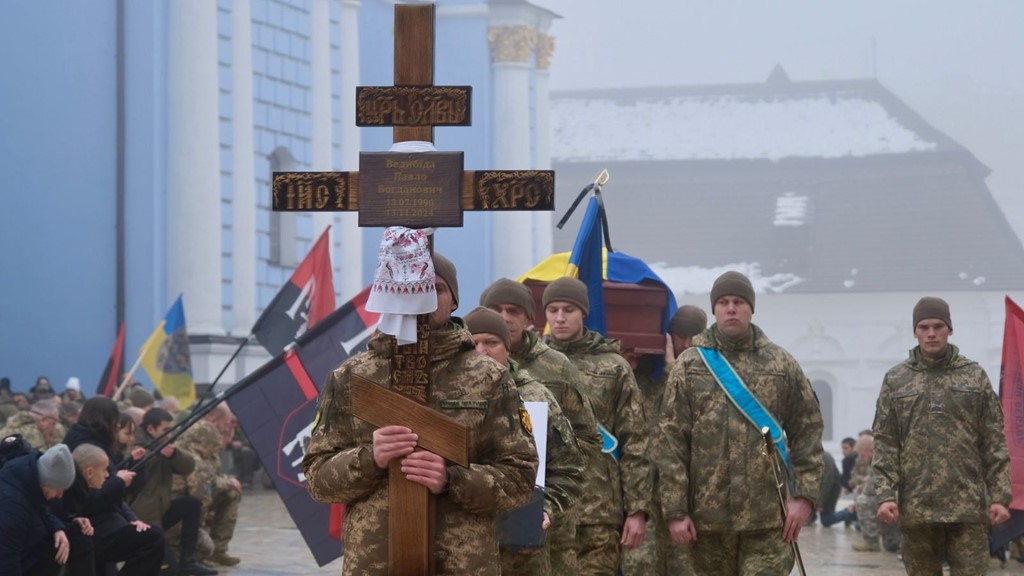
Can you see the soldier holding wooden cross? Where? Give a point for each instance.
(347, 460)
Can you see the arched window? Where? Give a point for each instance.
(282, 224)
(824, 391)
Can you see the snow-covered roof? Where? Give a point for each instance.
(776, 120)
(807, 187)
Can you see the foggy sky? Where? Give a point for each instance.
(960, 64)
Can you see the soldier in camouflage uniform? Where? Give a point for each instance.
(657, 554)
(619, 486)
(718, 492)
(40, 425)
(347, 460)
(564, 463)
(551, 368)
(941, 462)
(219, 493)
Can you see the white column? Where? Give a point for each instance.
(511, 54)
(320, 98)
(543, 242)
(243, 202)
(193, 179)
(349, 234)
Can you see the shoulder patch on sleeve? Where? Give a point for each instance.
(524, 419)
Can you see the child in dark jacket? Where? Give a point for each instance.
(99, 495)
(117, 535)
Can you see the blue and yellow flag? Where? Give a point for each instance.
(616, 267)
(585, 265)
(166, 358)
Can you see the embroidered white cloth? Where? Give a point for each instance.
(403, 286)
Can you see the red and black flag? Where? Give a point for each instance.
(115, 365)
(307, 298)
(276, 405)
(1011, 395)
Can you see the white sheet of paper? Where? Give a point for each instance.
(538, 412)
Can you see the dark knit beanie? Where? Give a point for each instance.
(444, 268)
(486, 321)
(506, 291)
(932, 307)
(569, 290)
(733, 284)
(688, 321)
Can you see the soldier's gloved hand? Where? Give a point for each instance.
(426, 468)
(392, 442)
(798, 510)
(997, 513)
(888, 512)
(682, 531)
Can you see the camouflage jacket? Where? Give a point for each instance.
(203, 442)
(465, 385)
(939, 441)
(859, 474)
(614, 489)
(652, 390)
(552, 369)
(152, 500)
(710, 456)
(23, 423)
(563, 462)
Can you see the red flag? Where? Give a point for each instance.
(337, 525)
(276, 408)
(115, 365)
(1011, 393)
(304, 300)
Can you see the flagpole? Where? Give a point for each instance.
(130, 373)
(198, 408)
(209, 391)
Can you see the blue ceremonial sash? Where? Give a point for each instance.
(609, 443)
(744, 400)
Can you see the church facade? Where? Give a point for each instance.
(141, 141)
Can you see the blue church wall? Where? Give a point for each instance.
(57, 154)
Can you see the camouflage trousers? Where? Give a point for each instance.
(964, 545)
(563, 546)
(600, 549)
(651, 557)
(527, 562)
(870, 529)
(750, 553)
(220, 517)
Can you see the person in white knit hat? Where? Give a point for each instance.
(72, 390)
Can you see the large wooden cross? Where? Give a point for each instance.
(416, 190)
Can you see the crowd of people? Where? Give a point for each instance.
(655, 464)
(97, 487)
(662, 464)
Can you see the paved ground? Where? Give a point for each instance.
(269, 544)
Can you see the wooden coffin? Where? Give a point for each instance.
(634, 313)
